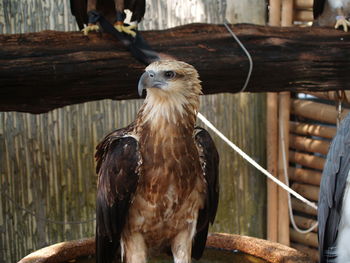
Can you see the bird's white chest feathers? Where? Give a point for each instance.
(343, 247)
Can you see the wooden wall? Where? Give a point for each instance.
(46, 160)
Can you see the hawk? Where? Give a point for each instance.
(112, 10)
(158, 177)
(332, 13)
(334, 200)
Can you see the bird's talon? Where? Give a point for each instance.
(119, 27)
(126, 29)
(90, 28)
(342, 22)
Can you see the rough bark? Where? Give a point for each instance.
(50, 69)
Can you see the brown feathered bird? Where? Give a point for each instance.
(112, 10)
(158, 177)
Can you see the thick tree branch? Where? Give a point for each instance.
(47, 70)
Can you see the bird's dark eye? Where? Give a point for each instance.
(169, 74)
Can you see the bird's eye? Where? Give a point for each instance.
(169, 74)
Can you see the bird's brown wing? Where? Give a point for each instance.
(209, 159)
(117, 161)
(79, 10)
(318, 7)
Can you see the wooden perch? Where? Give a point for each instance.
(46, 70)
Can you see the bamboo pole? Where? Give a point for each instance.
(331, 95)
(272, 140)
(283, 120)
(283, 213)
(307, 160)
(316, 111)
(272, 143)
(272, 149)
(309, 239)
(275, 13)
(311, 252)
(306, 190)
(303, 4)
(303, 15)
(305, 223)
(312, 129)
(308, 145)
(306, 176)
(287, 13)
(302, 207)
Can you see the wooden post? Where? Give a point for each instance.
(272, 144)
(283, 215)
(283, 120)
(287, 13)
(275, 13)
(272, 140)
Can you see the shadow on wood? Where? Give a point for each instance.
(50, 69)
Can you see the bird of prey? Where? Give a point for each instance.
(112, 10)
(332, 13)
(158, 177)
(334, 200)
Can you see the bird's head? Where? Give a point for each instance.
(173, 89)
(166, 78)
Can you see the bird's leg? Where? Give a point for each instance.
(120, 17)
(134, 248)
(341, 20)
(181, 247)
(91, 6)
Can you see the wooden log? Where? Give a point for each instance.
(303, 16)
(311, 252)
(302, 207)
(46, 70)
(272, 151)
(305, 223)
(332, 95)
(312, 129)
(306, 190)
(316, 111)
(283, 211)
(307, 160)
(306, 176)
(303, 4)
(308, 145)
(309, 239)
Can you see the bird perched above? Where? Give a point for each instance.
(113, 11)
(332, 13)
(334, 200)
(158, 177)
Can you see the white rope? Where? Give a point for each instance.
(285, 172)
(254, 163)
(246, 52)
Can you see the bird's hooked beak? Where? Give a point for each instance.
(150, 79)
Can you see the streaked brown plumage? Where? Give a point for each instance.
(158, 177)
